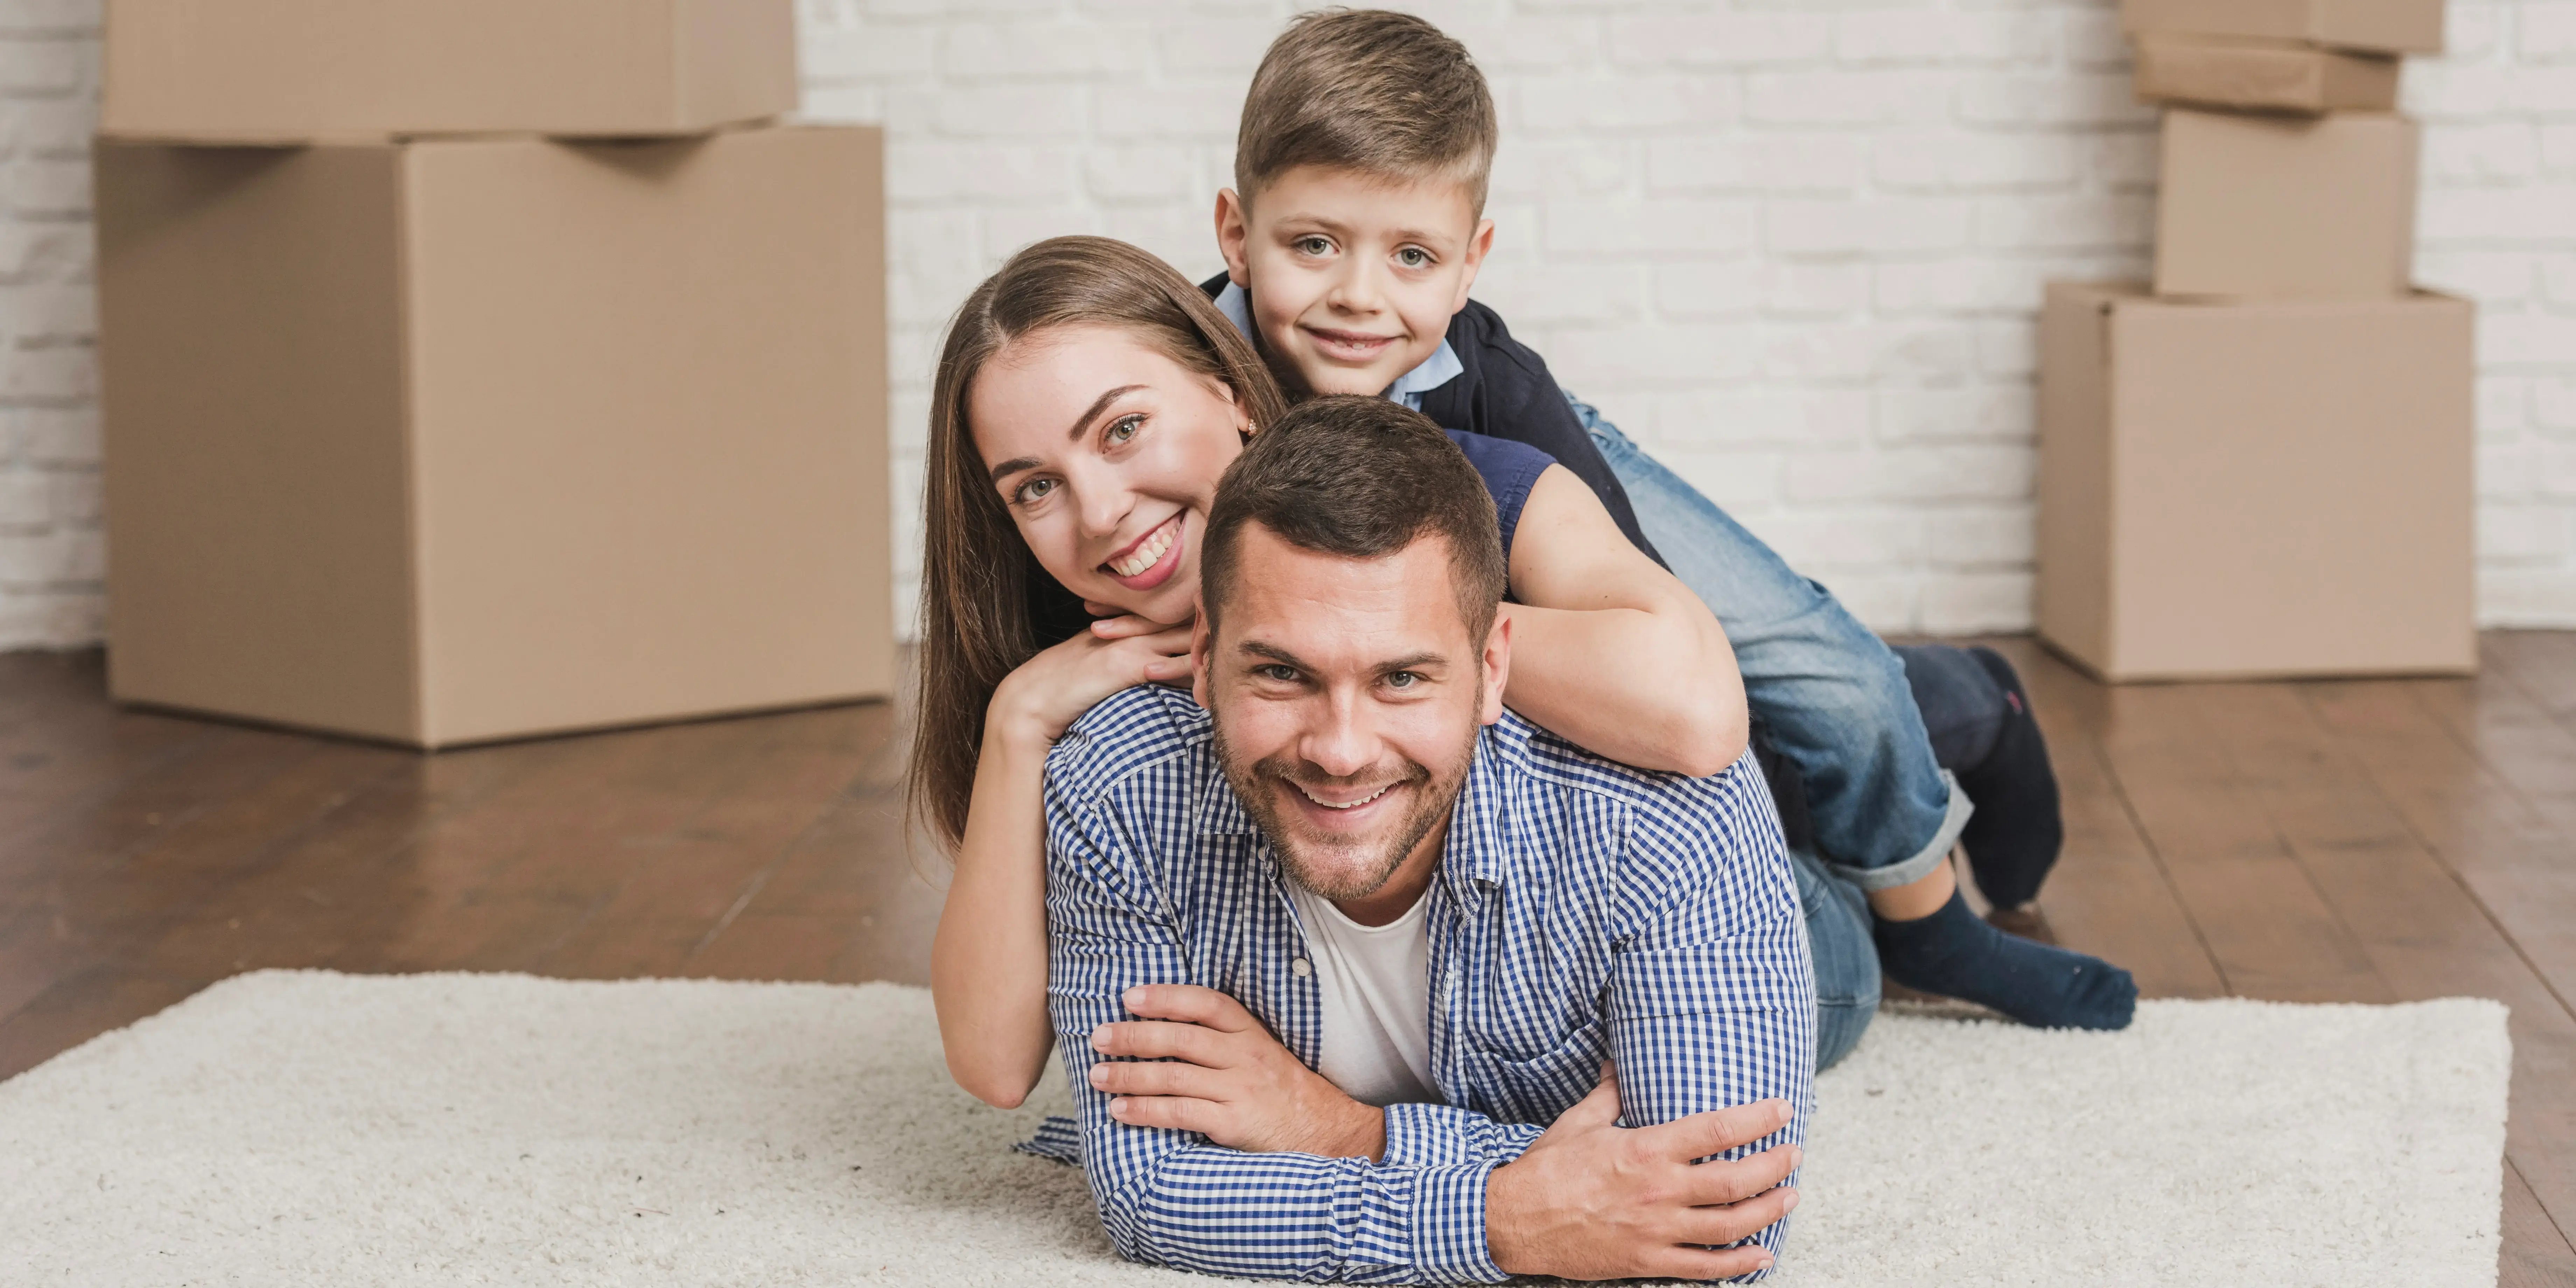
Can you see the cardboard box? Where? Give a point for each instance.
(458, 440)
(2269, 76)
(2238, 490)
(2388, 26)
(2275, 207)
(299, 70)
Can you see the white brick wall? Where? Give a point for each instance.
(51, 555)
(1795, 246)
(2498, 222)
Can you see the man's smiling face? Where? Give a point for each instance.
(1347, 694)
(1353, 276)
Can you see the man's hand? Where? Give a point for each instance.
(1593, 1200)
(1223, 1076)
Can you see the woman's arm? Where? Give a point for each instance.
(1609, 649)
(988, 961)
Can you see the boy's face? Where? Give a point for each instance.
(1353, 276)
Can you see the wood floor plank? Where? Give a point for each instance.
(781, 946)
(100, 884)
(2488, 834)
(62, 758)
(81, 1007)
(2268, 927)
(2541, 663)
(780, 787)
(2497, 718)
(2536, 1251)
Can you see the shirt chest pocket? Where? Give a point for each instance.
(1535, 1085)
(1529, 1022)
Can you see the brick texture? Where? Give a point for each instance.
(1797, 249)
(52, 555)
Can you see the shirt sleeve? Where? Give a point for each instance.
(1712, 1001)
(1509, 470)
(1173, 1198)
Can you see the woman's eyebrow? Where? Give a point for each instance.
(1082, 422)
(1093, 411)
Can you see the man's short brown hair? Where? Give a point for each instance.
(1360, 478)
(1368, 90)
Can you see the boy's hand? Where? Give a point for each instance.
(1217, 1072)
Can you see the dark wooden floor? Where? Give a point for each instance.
(2369, 842)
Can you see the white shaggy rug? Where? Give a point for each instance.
(314, 1128)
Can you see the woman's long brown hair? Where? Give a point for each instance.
(986, 605)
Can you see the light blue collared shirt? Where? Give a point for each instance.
(1437, 370)
(1583, 911)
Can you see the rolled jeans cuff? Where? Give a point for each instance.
(1954, 820)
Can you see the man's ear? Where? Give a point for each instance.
(1498, 667)
(1477, 247)
(1233, 228)
(1202, 644)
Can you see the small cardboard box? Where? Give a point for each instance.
(2387, 26)
(457, 440)
(298, 70)
(2286, 208)
(2238, 490)
(2263, 75)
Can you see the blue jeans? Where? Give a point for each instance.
(1833, 696)
(1845, 958)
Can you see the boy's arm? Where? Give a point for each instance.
(1713, 1000)
(1173, 1198)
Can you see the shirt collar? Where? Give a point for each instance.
(1478, 852)
(1439, 369)
(1220, 811)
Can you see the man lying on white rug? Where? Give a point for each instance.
(1347, 815)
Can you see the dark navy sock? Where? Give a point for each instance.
(1954, 954)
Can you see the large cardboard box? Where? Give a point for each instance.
(2263, 75)
(2389, 26)
(2237, 490)
(458, 440)
(2278, 207)
(297, 70)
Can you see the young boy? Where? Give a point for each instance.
(1351, 238)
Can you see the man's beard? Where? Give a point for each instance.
(1433, 797)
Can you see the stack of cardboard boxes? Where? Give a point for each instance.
(484, 368)
(2261, 464)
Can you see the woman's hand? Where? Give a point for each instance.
(1035, 704)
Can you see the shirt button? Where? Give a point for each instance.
(1301, 968)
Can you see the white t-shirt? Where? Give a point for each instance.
(1377, 1001)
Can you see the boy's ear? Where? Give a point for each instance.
(1477, 246)
(1233, 228)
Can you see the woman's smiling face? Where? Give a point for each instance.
(1107, 454)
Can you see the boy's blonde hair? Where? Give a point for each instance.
(1369, 90)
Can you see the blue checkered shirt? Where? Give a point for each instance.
(1582, 911)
